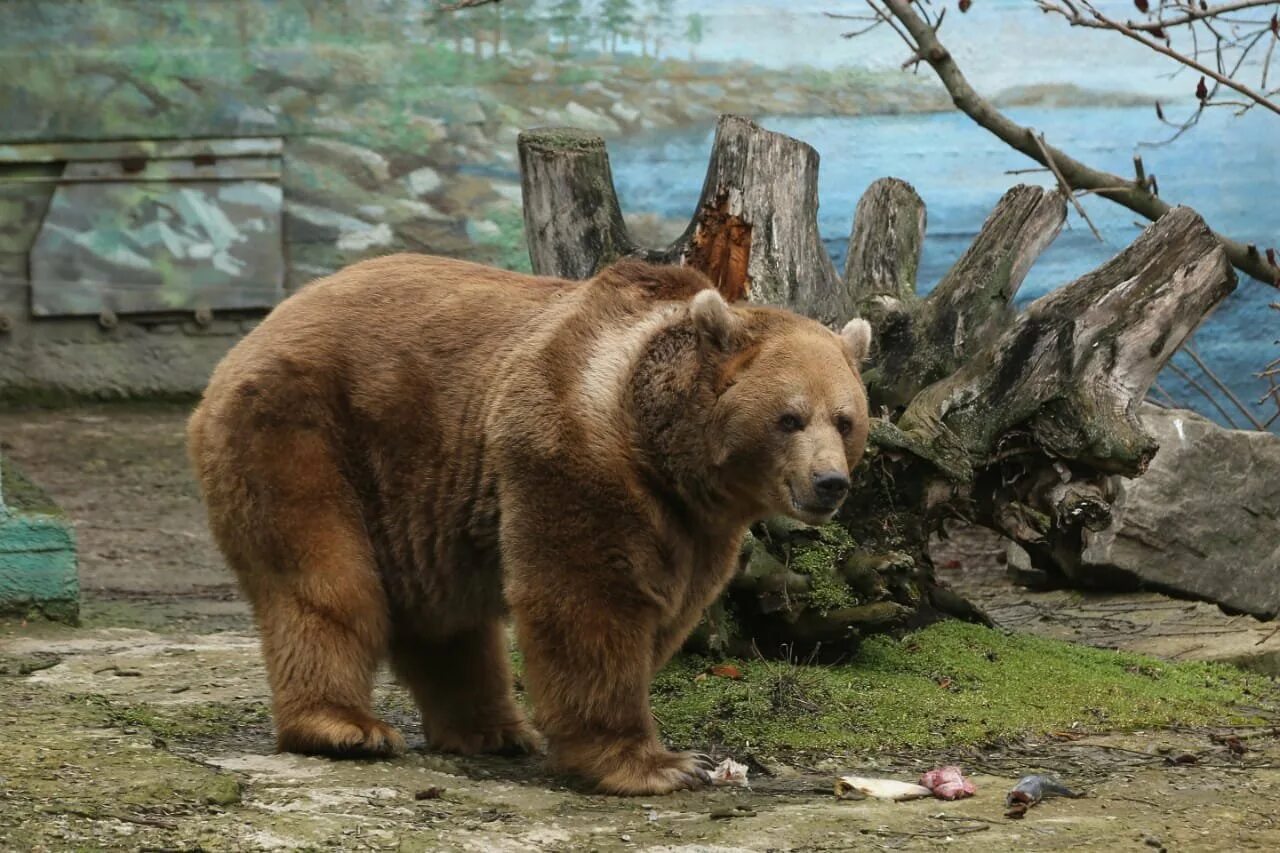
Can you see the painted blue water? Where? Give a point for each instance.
(1228, 169)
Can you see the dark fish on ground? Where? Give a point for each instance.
(1031, 790)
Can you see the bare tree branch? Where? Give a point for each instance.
(1190, 15)
(1221, 77)
(1140, 199)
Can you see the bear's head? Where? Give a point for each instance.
(789, 419)
(751, 412)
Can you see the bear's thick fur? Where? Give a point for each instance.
(405, 451)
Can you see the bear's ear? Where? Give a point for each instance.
(715, 321)
(856, 337)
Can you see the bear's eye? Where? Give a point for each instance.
(844, 425)
(790, 423)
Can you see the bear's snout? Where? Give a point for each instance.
(830, 488)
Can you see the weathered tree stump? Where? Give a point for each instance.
(1015, 421)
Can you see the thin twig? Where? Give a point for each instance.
(1155, 386)
(1204, 368)
(1190, 380)
(1259, 98)
(1066, 187)
(465, 4)
(1192, 15)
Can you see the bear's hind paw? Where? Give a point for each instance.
(514, 739)
(661, 774)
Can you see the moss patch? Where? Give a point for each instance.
(60, 750)
(819, 558)
(185, 722)
(22, 495)
(952, 683)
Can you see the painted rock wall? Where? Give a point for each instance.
(171, 169)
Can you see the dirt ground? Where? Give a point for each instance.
(147, 728)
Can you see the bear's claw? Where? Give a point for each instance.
(661, 773)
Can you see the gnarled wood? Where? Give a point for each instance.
(1020, 422)
(884, 247)
(1073, 367)
(971, 304)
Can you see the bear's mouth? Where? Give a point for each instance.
(814, 514)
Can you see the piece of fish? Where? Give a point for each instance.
(881, 789)
(948, 783)
(1031, 790)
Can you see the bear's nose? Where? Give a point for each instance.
(830, 487)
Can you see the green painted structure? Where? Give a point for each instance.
(37, 552)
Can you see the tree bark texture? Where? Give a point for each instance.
(1017, 421)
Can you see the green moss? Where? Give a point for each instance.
(952, 683)
(22, 495)
(187, 721)
(564, 139)
(819, 558)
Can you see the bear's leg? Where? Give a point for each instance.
(306, 565)
(322, 650)
(587, 669)
(462, 685)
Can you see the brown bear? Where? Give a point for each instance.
(404, 452)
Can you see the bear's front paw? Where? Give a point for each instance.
(659, 772)
(517, 738)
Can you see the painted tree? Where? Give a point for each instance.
(694, 29)
(566, 23)
(617, 19)
(662, 19)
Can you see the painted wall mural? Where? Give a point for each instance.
(188, 155)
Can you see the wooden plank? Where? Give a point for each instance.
(159, 247)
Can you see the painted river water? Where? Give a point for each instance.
(1228, 169)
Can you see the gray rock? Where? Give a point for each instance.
(423, 181)
(624, 113)
(407, 210)
(366, 166)
(465, 111)
(595, 87)
(372, 237)
(588, 119)
(305, 223)
(252, 118)
(1203, 522)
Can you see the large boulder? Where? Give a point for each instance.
(1203, 522)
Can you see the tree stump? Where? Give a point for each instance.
(1018, 422)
